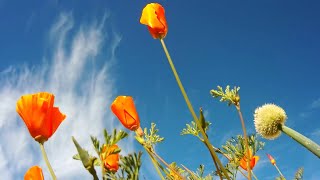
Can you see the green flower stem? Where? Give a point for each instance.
(301, 139)
(165, 163)
(155, 163)
(190, 172)
(255, 177)
(44, 155)
(275, 165)
(243, 174)
(245, 140)
(206, 140)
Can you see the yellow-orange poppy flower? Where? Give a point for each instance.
(123, 107)
(253, 161)
(34, 173)
(153, 17)
(272, 160)
(110, 161)
(39, 115)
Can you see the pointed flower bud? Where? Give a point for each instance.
(272, 160)
(123, 107)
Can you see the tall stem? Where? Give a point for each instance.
(248, 159)
(44, 155)
(301, 139)
(154, 162)
(168, 166)
(206, 140)
(275, 165)
(255, 177)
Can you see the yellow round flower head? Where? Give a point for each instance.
(267, 120)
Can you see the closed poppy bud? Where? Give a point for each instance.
(153, 17)
(252, 163)
(39, 115)
(110, 161)
(34, 173)
(123, 107)
(272, 160)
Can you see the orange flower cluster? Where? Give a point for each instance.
(34, 173)
(110, 160)
(39, 115)
(253, 161)
(153, 17)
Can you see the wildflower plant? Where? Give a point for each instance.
(42, 120)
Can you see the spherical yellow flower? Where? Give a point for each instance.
(267, 120)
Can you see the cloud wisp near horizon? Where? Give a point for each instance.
(83, 87)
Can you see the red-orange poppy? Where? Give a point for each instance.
(153, 17)
(272, 160)
(34, 173)
(123, 107)
(252, 163)
(110, 161)
(39, 115)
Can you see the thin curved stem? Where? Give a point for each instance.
(154, 162)
(206, 140)
(275, 165)
(168, 166)
(44, 155)
(255, 177)
(243, 174)
(245, 140)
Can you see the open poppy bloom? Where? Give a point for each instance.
(153, 17)
(39, 115)
(253, 161)
(34, 173)
(123, 107)
(110, 161)
(272, 160)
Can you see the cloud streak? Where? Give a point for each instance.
(84, 88)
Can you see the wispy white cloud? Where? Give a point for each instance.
(83, 87)
(315, 104)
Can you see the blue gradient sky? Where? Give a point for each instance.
(268, 48)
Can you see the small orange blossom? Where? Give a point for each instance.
(39, 115)
(153, 17)
(252, 163)
(34, 173)
(110, 161)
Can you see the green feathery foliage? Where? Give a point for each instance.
(227, 95)
(152, 138)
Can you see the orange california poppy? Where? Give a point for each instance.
(34, 173)
(39, 115)
(110, 161)
(253, 161)
(123, 107)
(272, 160)
(153, 17)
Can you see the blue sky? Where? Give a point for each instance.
(88, 52)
